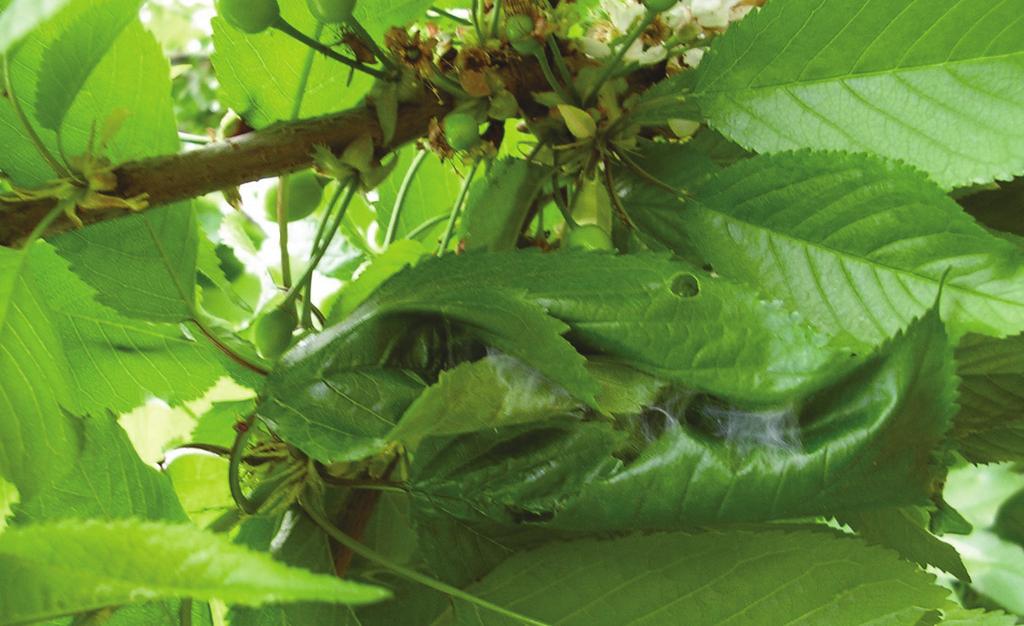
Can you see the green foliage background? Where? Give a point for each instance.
(789, 393)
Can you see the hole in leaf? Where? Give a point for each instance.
(685, 285)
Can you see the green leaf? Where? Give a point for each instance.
(936, 83)
(664, 101)
(990, 425)
(1010, 519)
(977, 492)
(514, 475)
(632, 308)
(38, 441)
(68, 62)
(143, 265)
(431, 193)
(399, 255)
(69, 567)
(499, 204)
(292, 539)
(752, 577)
(380, 15)
(200, 481)
(216, 426)
(134, 75)
(859, 246)
(864, 441)
(996, 567)
(21, 17)
(493, 392)
(658, 215)
(977, 617)
(117, 363)
(905, 530)
(341, 416)
(335, 397)
(109, 481)
(259, 74)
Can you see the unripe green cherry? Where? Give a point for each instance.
(461, 130)
(589, 237)
(249, 16)
(272, 332)
(519, 31)
(332, 11)
(657, 6)
(304, 196)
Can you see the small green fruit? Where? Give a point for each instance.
(332, 11)
(304, 196)
(461, 130)
(519, 27)
(589, 237)
(519, 31)
(657, 6)
(272, 332)
(250, 16)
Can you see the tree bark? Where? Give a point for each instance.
(276, 150)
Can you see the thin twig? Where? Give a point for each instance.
(403, 191)
(298, 35)
(231, 354)
(457, 209)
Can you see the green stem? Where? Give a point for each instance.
(474, 10)
(282, 231)
(372, 555)
(231, 354)
(234, 480)
(307, 302)
(560, 202)
(609, 184)
(62, 207)
(556, 194)
(294, 33)
(403, 191)
(41, 148)
(318, 254)
(612, 66)
(447, 84)
(549, 76)
(463, 192)
(496, 19)
(425, 226)
(282, 220)
(563, 69)
(282, 182)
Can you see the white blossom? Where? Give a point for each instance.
(678, 17)
(636, 53)
(693, 56)
(623, 15)
(712, 13)
(594, 48)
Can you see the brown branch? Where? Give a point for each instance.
(279, 149)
